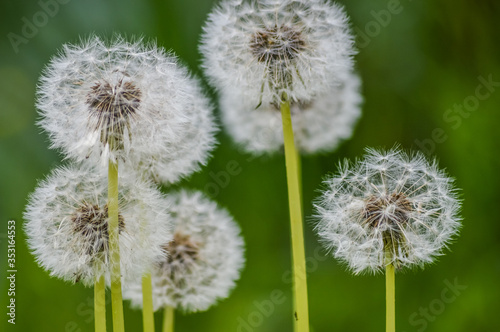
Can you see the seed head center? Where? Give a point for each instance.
(113, 106)
(182, 251)
(277, 44)
(387, 210)
(91, 222)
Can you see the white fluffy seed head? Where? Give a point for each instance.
(272, 48)
(126, 100)
(67, 225)
(319, 125)
(205, 257)
(389, 208)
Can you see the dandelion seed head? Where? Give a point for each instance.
(320, 125)
(389, 208)
(128, 101)
(268, 49)
(67, 224)
(111, 107)
(204, 258)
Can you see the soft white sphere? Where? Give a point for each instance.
(272, 48)
(128, 102)
(66, 222)
(319, 125)
(389, 208)
(205, 257)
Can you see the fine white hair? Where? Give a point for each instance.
(271, 48)
(205, 257)
(389, 208)
(126, 101)
(319, 125)
(66, 222)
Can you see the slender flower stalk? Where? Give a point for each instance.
(301, 314)
(390, 304)
(168, 319)
(147, 304)
(114, 249)
(100, 305)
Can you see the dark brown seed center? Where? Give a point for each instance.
(183, 253)
(113, 106)
(182, 250)
(91, 222)
(277, 44)
(376, 210)
(392, 213)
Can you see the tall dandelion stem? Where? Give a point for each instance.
(114, 248)
(168, 319)
(100, 305)
(301, 314)
(390, 325)
(147, 304)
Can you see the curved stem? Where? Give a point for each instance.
(114, 249)
(100, 305)
(390, 304)
(168, 319)
(147, 304)
(301, 314)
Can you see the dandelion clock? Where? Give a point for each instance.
(388, 211)
(203, 260)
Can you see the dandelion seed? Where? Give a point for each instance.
(67, 225)
(268, 49)
(388, 209)
(204, 258)
(319, 125)
(126, 101)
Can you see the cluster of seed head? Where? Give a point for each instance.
(270, 50)
(204, 258)
(389, 208)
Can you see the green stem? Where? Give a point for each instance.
(301, 314)
(390, 325)
(100, 305)
(168, 319)
(114, 249)
(147, 304)
(299, 177)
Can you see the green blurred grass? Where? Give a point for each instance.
(427, 59)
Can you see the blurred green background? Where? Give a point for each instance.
(424, 66)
